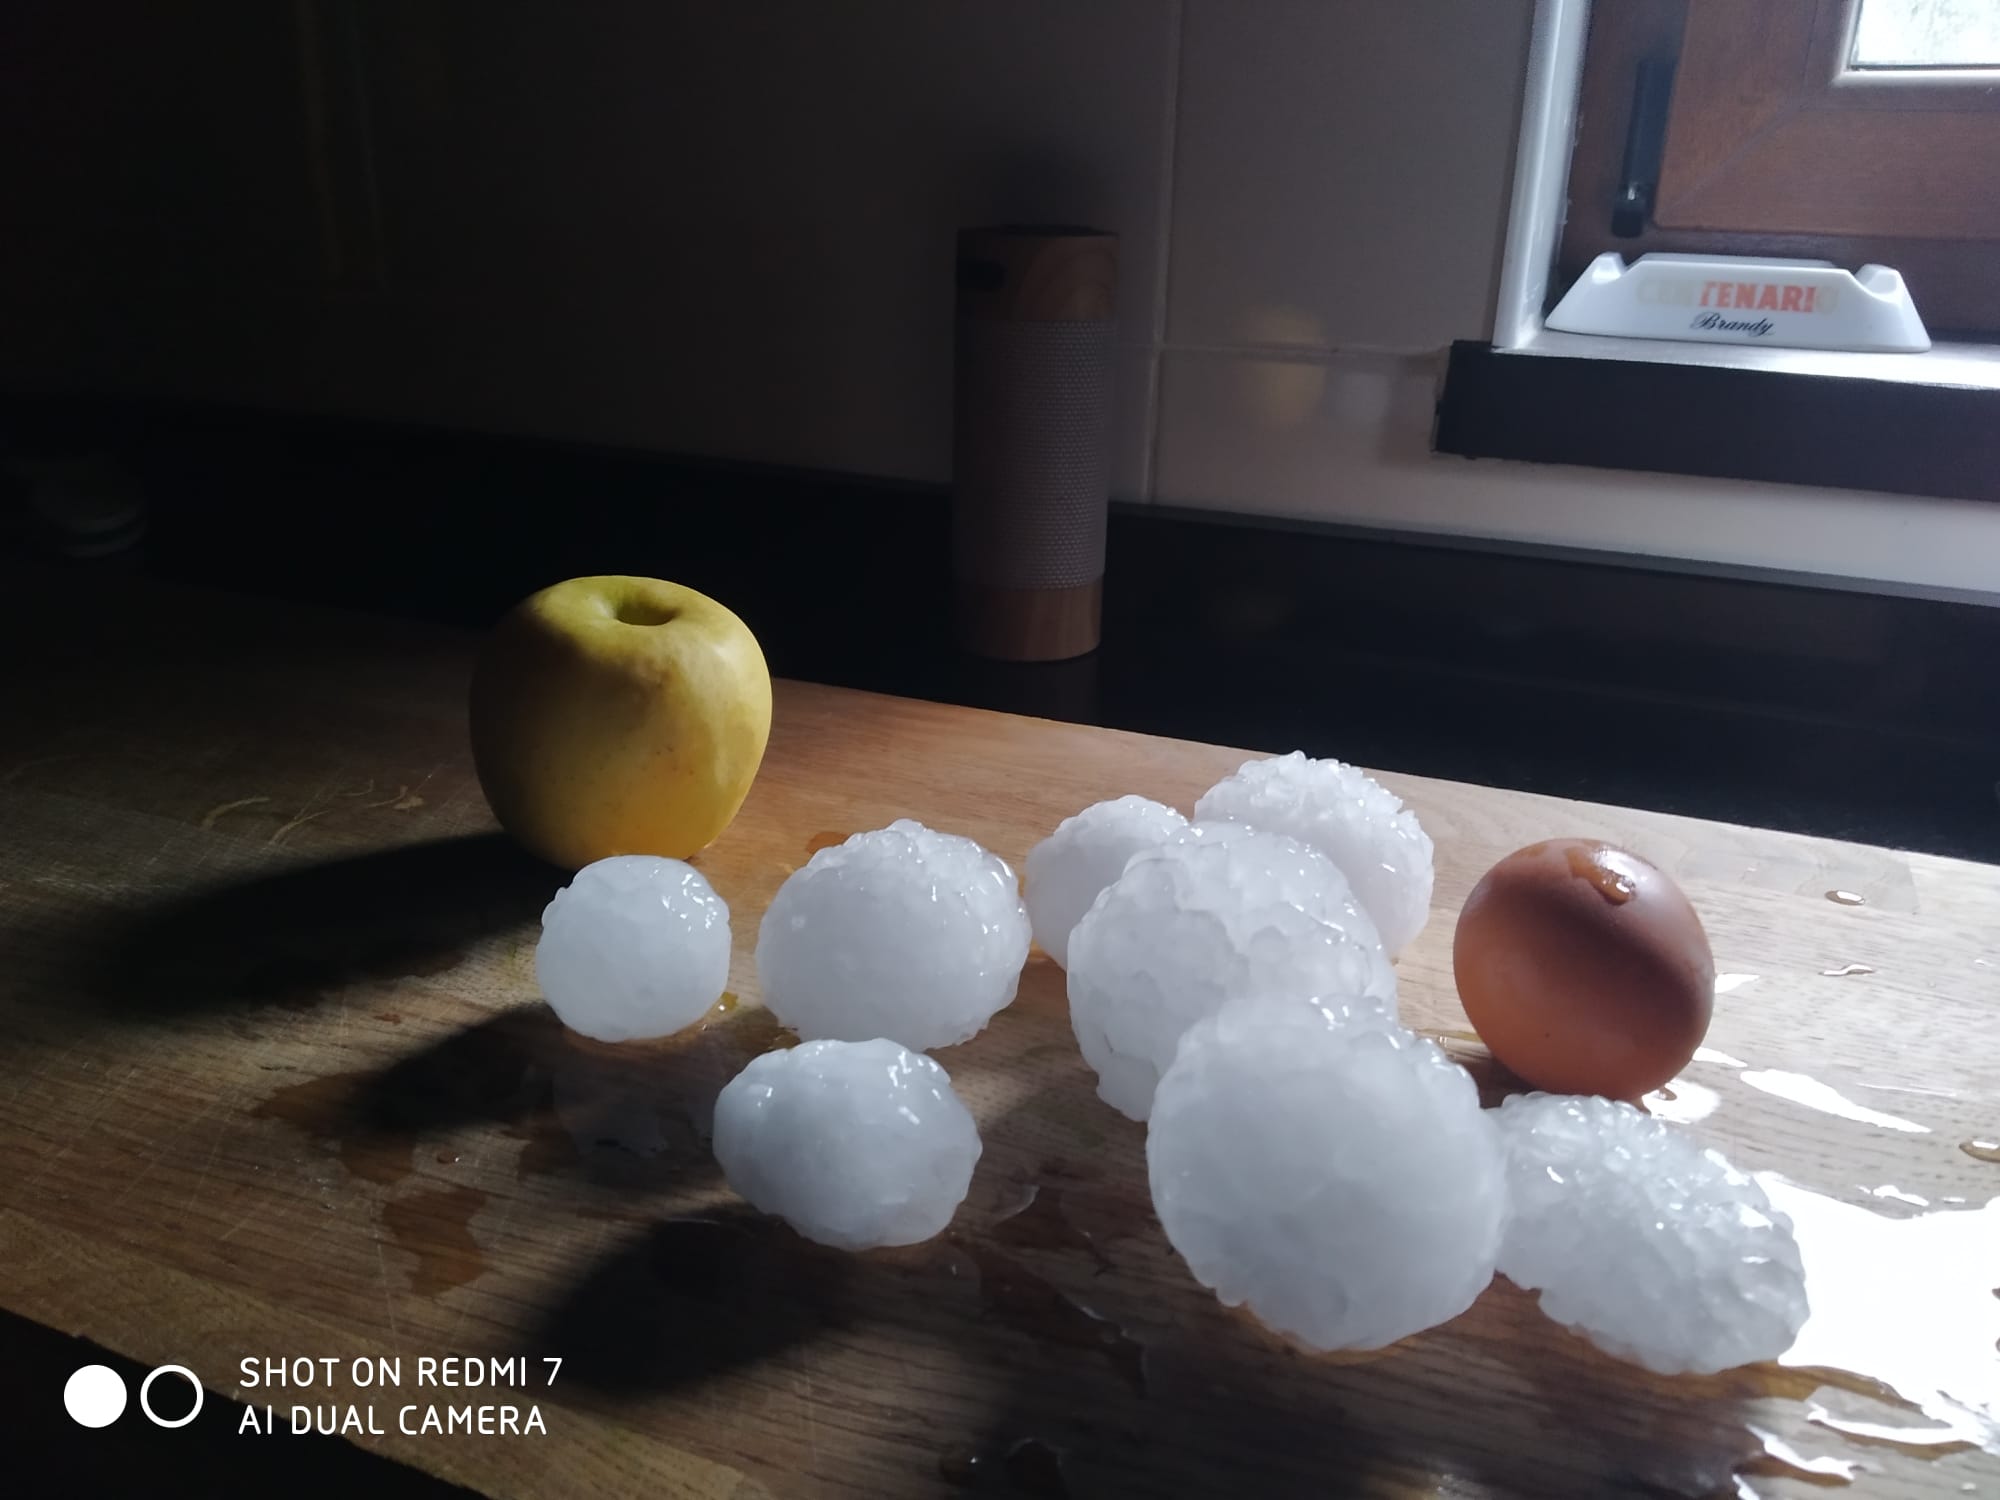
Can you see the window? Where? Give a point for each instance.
(1831, 129)
(1853, 131)
(1927, 34)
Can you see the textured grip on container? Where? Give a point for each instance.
(1030, 453)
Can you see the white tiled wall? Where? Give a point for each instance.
(1347, 438)
(1341, 171)
(725, 227)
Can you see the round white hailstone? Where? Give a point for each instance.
(1086, 853)
(1651, 1247)
(854, 1144)
(1336, 1176)
(1350, 817)
(902, 933)
(1190, 925)
(634, 946)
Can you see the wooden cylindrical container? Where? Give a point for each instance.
(1029, 450)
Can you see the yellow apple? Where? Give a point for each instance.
(618, 716)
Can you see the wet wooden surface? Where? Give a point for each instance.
(277, 1082)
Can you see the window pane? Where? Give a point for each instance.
(1928, 34)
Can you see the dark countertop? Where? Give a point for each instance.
(1812, 709)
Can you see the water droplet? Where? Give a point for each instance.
(1028, 1467)
(825, 840)
(1729, 983)
(447, 1158)
(1846, 898)
(1981, 1150)
(961, 1466)
(1846, 971)
(1710, 1055)
(722, 1009)
(1683, 1103)
(1595, 865)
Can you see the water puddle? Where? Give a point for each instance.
(1903, 1308)
(1682, 1102)
(1810, 1093)
(1025, 1302)
(634, 1114)
(1917, 1442)
(1908, 1088)
(1894, 1194)
(435, 1227)
(1780, 1460)
(1041, 1224)
(325, 1109)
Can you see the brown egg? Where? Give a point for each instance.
(1584, 969)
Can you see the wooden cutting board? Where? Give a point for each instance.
(278, 1083)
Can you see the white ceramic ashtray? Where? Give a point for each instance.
(1793, 304)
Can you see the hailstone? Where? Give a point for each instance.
(903, 933)
(1066, 870)
(634, 946)
(1334, 1175)
(1350, 817)
(1652, 1247)
(1191, 925)
(854, 1144)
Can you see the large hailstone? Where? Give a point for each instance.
(854, 1144)
(1066, 870)
(902, 933)
(1350, 817)
(1653, 1248)
(634, 946)
(1190, 925)
(1335, 1175)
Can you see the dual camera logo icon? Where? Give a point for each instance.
(95, 1396)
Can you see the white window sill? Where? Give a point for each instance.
(1969, 366)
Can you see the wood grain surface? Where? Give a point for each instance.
(278, 1083)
